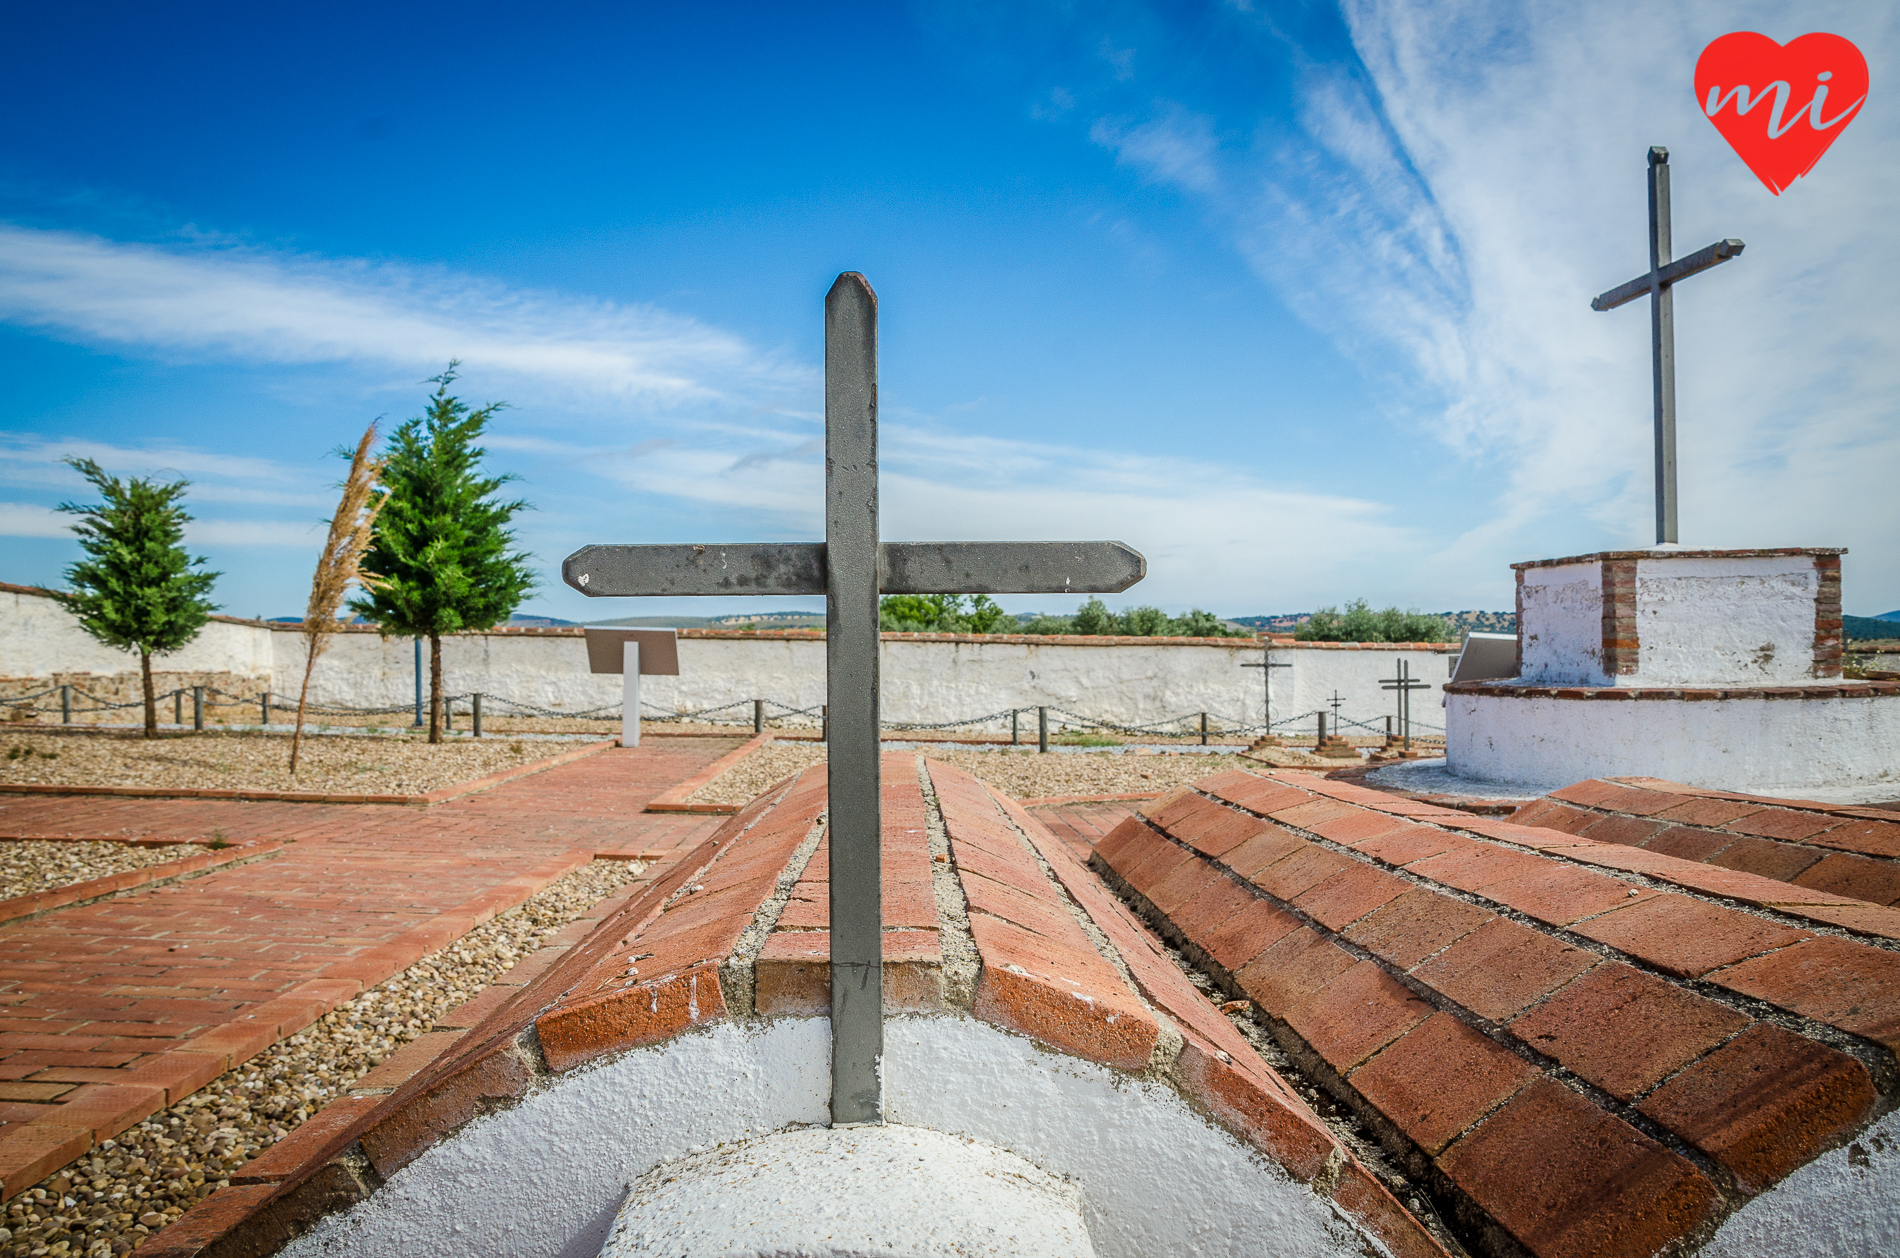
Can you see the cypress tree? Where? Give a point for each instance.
(442, 560)
(136, 589)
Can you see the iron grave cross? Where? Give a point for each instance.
(851, 569)
(1662, 327)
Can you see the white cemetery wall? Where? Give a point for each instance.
(40, 639)
(1744, 620)
(928, 678)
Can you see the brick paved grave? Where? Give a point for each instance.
(1269, 1014)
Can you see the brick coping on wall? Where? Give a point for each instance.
(1768, 552)
(441, 796)
(1810, 690)
(738, 930)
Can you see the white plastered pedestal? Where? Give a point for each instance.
(1719, 669)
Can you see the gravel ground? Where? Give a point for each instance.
(29, 865)
(387, 765)
(1024, 774)
(128, 1188)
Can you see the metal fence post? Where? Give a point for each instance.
(263, 703)
(65, 705)
(178, 705)
(448, 712)
(758, 716)
(1203, 729)
(475, 710)
(824, 722)
(418, 683)
(1388, 726)
(1322, 730)
(1042, 729)
(198, 708)
(1014, 738)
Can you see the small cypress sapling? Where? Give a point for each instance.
(441, 558)
(136, 589)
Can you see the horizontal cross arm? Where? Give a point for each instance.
(1682, 268)
(903, 568)
(1008, 567)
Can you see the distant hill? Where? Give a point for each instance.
(538, 622)
(1870, 628)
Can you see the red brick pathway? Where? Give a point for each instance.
(110, 1011)
(1082, 826)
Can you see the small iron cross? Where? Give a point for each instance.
(1405, 684)
(1657, 286)
(1266, 667)
(852, 569)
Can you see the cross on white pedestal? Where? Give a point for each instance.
(1662, 328)
(851, 569)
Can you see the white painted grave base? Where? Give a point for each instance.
(1833, 750)
(856, 1192)
(547, 1177)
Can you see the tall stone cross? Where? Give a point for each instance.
(851, 568)
(1656, 285)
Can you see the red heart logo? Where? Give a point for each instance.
(1780, 106)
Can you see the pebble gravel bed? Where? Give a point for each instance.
(29, 865)
(1023, 774)
(110, 1201)
(219, 760)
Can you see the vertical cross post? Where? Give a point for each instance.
(1662, 344)
(851, 692)
(1658, 286)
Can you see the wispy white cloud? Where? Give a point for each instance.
(1445, 207)
(250, 304)
(25, 519)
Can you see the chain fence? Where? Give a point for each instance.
(72, 701)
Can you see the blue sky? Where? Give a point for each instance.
(1293, 298)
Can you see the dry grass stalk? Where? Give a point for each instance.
(338, 567)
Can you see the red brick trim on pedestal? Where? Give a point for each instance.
(1829, 629)
(1769, 552)
(1620, 644)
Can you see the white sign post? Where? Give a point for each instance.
(631, 652)
(630, 694)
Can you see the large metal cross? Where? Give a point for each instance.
(851, 569)
(1656, 285)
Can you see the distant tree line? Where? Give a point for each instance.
(949, 613)
(1360, 623)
